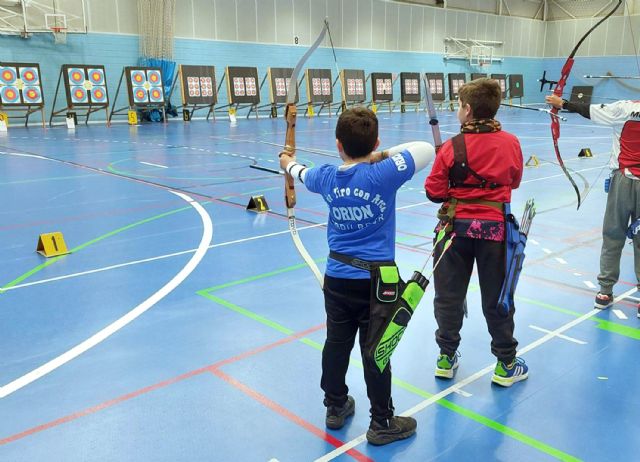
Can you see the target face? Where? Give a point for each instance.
(79, 95)
(76, 76)
(9, 95)
(155, 95)
(29, 75)
(411, 87)
(140, 95)
(99, 94)
(154, 78)
(326, 87)
(250, 85)
(138, 78)
(206, 86)
(238, 86)
(32, 95)
(317, 87)
(193, 84)
(8, 76)
(96, 76)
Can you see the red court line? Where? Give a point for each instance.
(156, 386)
(357, 455)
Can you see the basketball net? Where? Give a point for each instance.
(59, 35)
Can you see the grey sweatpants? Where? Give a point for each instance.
(623, 205)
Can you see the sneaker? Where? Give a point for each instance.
(336, 415)
(394, 429)
(508, 374)
(446, 366)
(603, 301)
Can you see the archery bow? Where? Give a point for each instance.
(290, 149)
(562, 81)
(433, 116)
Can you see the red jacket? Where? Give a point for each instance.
(495, 156)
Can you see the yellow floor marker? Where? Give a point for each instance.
(533, 161)
(258, 204)
(133, 117)
(51, 245)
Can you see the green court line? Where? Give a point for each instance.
(476, 417)
(53, 260)
(609, 326)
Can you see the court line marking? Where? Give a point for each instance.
(472, 378)
(565, 337)
(154, 165)
(620, 314)
(207, 235)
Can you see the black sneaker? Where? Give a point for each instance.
(394, 429)
(336, 415)
(603, 301)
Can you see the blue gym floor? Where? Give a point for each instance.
(183, 327)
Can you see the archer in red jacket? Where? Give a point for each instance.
(473, 175)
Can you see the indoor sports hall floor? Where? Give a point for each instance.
(183, 327)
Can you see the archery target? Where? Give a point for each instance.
(138, 78)
(281, 87)
(99, 94)
(238, 86)
(411, 86)
(79, 95)
(317, 87)
(155, 95)
(326, 87)
(8, 76)
(351, 87)
(194, 86)
(206, 86)
(76, 76)
(9, 95)
(250, 85)
(96, 76)
(383, 86)
(154, 77)
(140, 95)
(29, 75)
(32, 95)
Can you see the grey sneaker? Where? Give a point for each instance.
(603, 301)
(336, 415)
(394, 429)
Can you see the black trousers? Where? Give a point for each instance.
(451, 281)
(347, 304)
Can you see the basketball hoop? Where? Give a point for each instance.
(59, 35)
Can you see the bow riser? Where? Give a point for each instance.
(291, 112)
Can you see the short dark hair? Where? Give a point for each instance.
(357, 130)
(483, 95)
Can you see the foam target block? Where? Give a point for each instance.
(279, 79)
(502, 80)
(516, 86)
(144, 86)
(381, 86)
(410, 87)
(436, 85)
(198, 84)
(242, 85)
(319, 86)
(475, 76)
(581, 94)
(456, 81)
(85, 85)
(20, 84)
(352, 81)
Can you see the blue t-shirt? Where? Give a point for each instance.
(362, 209)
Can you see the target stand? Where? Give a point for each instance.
(145, 91)
(434, 83)
(85, 90)
(516, 88)
(456, 81)
(410, 92)
(381, 90)
(278, 78)
(353, 91)
(21, 90)
(198, 88)
(242, 90)
(319, 90)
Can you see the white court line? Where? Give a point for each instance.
(577, 274)
(146, 260)
(207, 235)
(466, 394)
(547, 251)
(154, 165)
(472, 378)
(562, 261)
(635, 299)
(170, 255)
(589, 284)
(620, 314)
(565, 337)
(534, 242)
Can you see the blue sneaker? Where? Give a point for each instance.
(506, 375)
(446, 366)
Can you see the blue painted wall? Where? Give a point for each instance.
(116, 51)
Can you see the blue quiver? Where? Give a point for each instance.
(515, 242)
